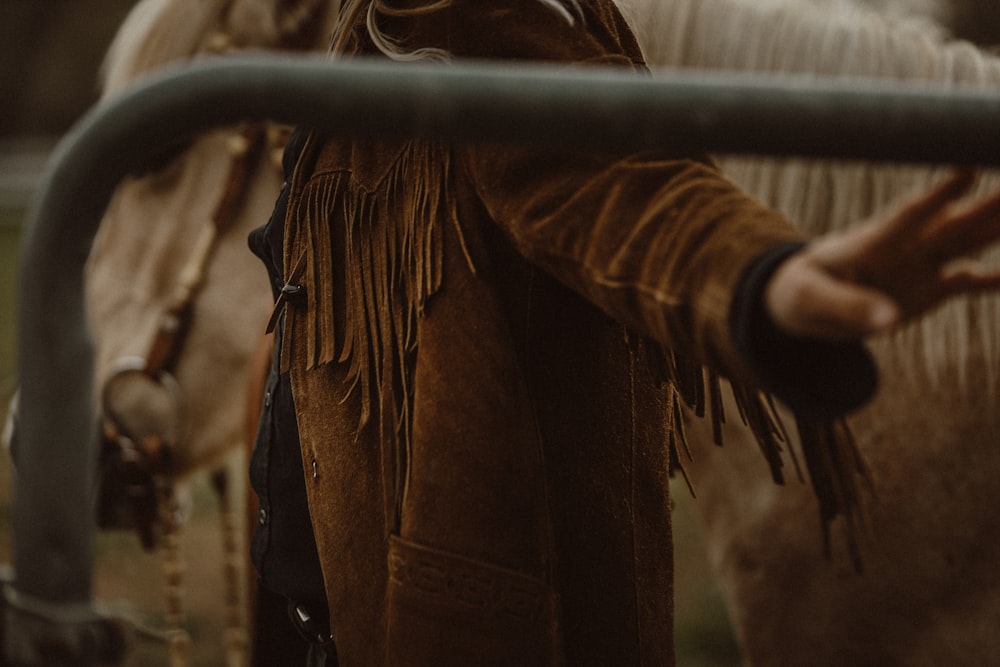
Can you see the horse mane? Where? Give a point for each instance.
(840, 39)
(159, 32)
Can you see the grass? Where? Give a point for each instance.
(703, 635)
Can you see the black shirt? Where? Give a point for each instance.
(283, 547)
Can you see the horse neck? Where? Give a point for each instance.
(837, 38)
(828, 38)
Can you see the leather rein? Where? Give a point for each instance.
(137, 470)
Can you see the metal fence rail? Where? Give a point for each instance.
(584, 108)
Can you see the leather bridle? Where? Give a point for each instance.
(136, 468)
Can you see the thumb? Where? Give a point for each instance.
(804, 300)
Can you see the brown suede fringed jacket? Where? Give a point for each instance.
(489, 364)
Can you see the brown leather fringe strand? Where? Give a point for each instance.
(391, 267)
(835, 467)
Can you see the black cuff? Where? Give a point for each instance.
(818, 380)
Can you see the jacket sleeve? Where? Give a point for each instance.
(663, 243)
(659, 243)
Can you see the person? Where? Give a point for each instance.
(482, 352)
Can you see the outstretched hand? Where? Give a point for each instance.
(898, 265)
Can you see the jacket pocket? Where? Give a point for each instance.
(445, 609)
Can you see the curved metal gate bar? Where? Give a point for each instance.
(585, 108)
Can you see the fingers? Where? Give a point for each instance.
(869, 280)
(969, 230)
(930, 204)
(968, 276)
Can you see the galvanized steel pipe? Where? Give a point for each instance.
(583, 108)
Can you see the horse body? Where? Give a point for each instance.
(928, 594)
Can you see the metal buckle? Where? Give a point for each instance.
(314, 630)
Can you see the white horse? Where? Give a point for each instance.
(176, 302)
(929, 594)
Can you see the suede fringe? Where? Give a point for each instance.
(835, 467)
(391, 268)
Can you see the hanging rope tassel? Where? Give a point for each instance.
(174, 569)
(235, 639)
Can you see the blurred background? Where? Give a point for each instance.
(50, 54)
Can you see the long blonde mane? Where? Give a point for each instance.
(836, 38)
